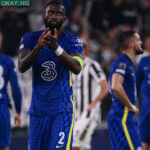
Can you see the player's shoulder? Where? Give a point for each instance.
(121, 62)
(33, 34)
(73, 38)
(144, 62)
(70, 35)
(7, 60)
(91, 61)
(121, 58)
(5, 57)
(145, 59)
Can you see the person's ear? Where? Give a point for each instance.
(131, 44)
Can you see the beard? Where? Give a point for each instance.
(52, 26)
(139, 51)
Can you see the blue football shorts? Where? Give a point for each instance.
(5, 127)
(123, 136)
(145, 125)
(52, 132)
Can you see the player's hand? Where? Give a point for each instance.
(91, 106)
(134, 109)
(51, 40)
(42, 41)
(17, 120)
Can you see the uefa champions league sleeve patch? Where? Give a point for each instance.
(121, 68)
(78, 42)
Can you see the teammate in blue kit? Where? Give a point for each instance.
(8, 74)
(143, 86)
(122, 123)
(53, 55)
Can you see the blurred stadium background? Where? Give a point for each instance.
(96, 21)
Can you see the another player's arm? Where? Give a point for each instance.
(117, 87)
(104, 91)
(16, 93)
(27, 57)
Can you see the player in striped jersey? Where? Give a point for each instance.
(8, 74)
(122, 123)
(90, 87)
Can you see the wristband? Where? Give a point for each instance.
(59, 51)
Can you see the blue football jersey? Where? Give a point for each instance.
(143, 80)
(123, 66)
(8, 73)
(51, 84)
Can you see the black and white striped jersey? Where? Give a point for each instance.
(86, 86)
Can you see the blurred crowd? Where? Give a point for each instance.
(98, 22)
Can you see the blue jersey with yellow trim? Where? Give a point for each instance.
(51, 78)
(143, 80)
(123, 66)
(8, 73)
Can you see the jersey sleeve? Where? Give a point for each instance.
(76, 45)
(27, 42)
(139, 76)
(15, 88)
(120, 68)
(97, 72)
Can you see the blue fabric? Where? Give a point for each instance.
(46, 133)
(8, 73)
(51, 78)
(143, 80)
(143, 87)
(145, 125)
(123, 66)
(5, 128)
(117, 135)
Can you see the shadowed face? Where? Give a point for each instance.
(137, 44)
(54, 16)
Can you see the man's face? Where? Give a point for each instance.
(137, 44)
(54, 16)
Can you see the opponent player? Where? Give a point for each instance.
(122, 122)
(143, 86)
(8, 74)
(90, 87)
(53, 55)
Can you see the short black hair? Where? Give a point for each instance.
(125, 38)
(55, 2)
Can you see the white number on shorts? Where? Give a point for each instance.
(62, 135)
(1, 77)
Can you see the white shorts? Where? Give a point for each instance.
(83, 130)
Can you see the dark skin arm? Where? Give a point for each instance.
(27, 57)
(71, 63)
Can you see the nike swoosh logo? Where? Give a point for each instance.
(58, 146)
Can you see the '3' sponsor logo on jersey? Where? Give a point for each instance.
(49, 73)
